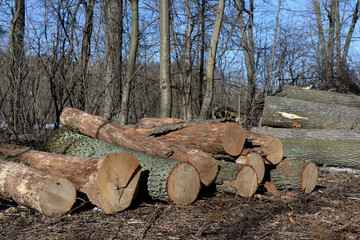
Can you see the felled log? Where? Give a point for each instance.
(158, 121)
(125, 137)
(325, 134)
(270, 147)
(256, 162)
(320, 96)
(209, 136)
(162, 179)
(295, 174)
(110, 182)
(34, 189)
(236, 178)
(297, 113)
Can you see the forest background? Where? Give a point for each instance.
(129, 59)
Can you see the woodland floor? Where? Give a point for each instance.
(331, 211)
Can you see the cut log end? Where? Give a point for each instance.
(207, 170)
(246, 181)
(183, 184)
(309, 177)
(57, 197)
(118, 181)
(234, 139)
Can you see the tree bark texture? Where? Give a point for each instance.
(125, 137)
(161, 179)
(210, 69)
(233, 176)
(110, 182)
(31, 188)
(295, 174)
(289, 112)
(319, 96)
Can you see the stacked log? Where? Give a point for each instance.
(99, 128)
(31, 188)
(319, 126)
(110, 182)
(162, 179)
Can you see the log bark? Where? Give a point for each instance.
(214, 138)
(295, 174)
(162, 179)
(296, 113)
(324, 134)
(256, 162)
(110, 182)
(270, 147)
(159, 121)
(319, 96)
(31, 188)
(125, 137)
(236, 178)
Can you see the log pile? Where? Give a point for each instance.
(160, 159)
(320, 126)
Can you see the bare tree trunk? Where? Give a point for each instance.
(85, 52)
(323, 57)
(165, 79)
(355, 17)
(248, 45)
(211, 61)
(202, 54)
(268, 81)
(113, 55)
(17, 62)
(131, 63)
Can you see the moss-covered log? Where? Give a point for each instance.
(297, 113)
(110, 182)
(31, 188)
(295, 174)
(161, 179)
(99, 128)
(320, 96)
(236, 178)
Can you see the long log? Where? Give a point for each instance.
(295, 174)
(31, 188)
(296, 113)
(162, 179)
(320, 96)
(110, 182)
(325, 134)
(125, 137)
(211, 137)
(236, 178)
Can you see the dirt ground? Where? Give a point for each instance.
(331, 211)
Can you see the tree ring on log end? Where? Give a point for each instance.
(309, 177)
(246, 181)
(118, 181)
(57, 197)
(183, 184)
(234, 139)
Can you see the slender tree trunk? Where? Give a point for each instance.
(211, 61)
(165, 80)
(113, 54)
(85, 53)
(355, 17)
(124, 113)
(202, 54)
(268, 82)
(17, 61)
(248, 46)
(331, 43)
